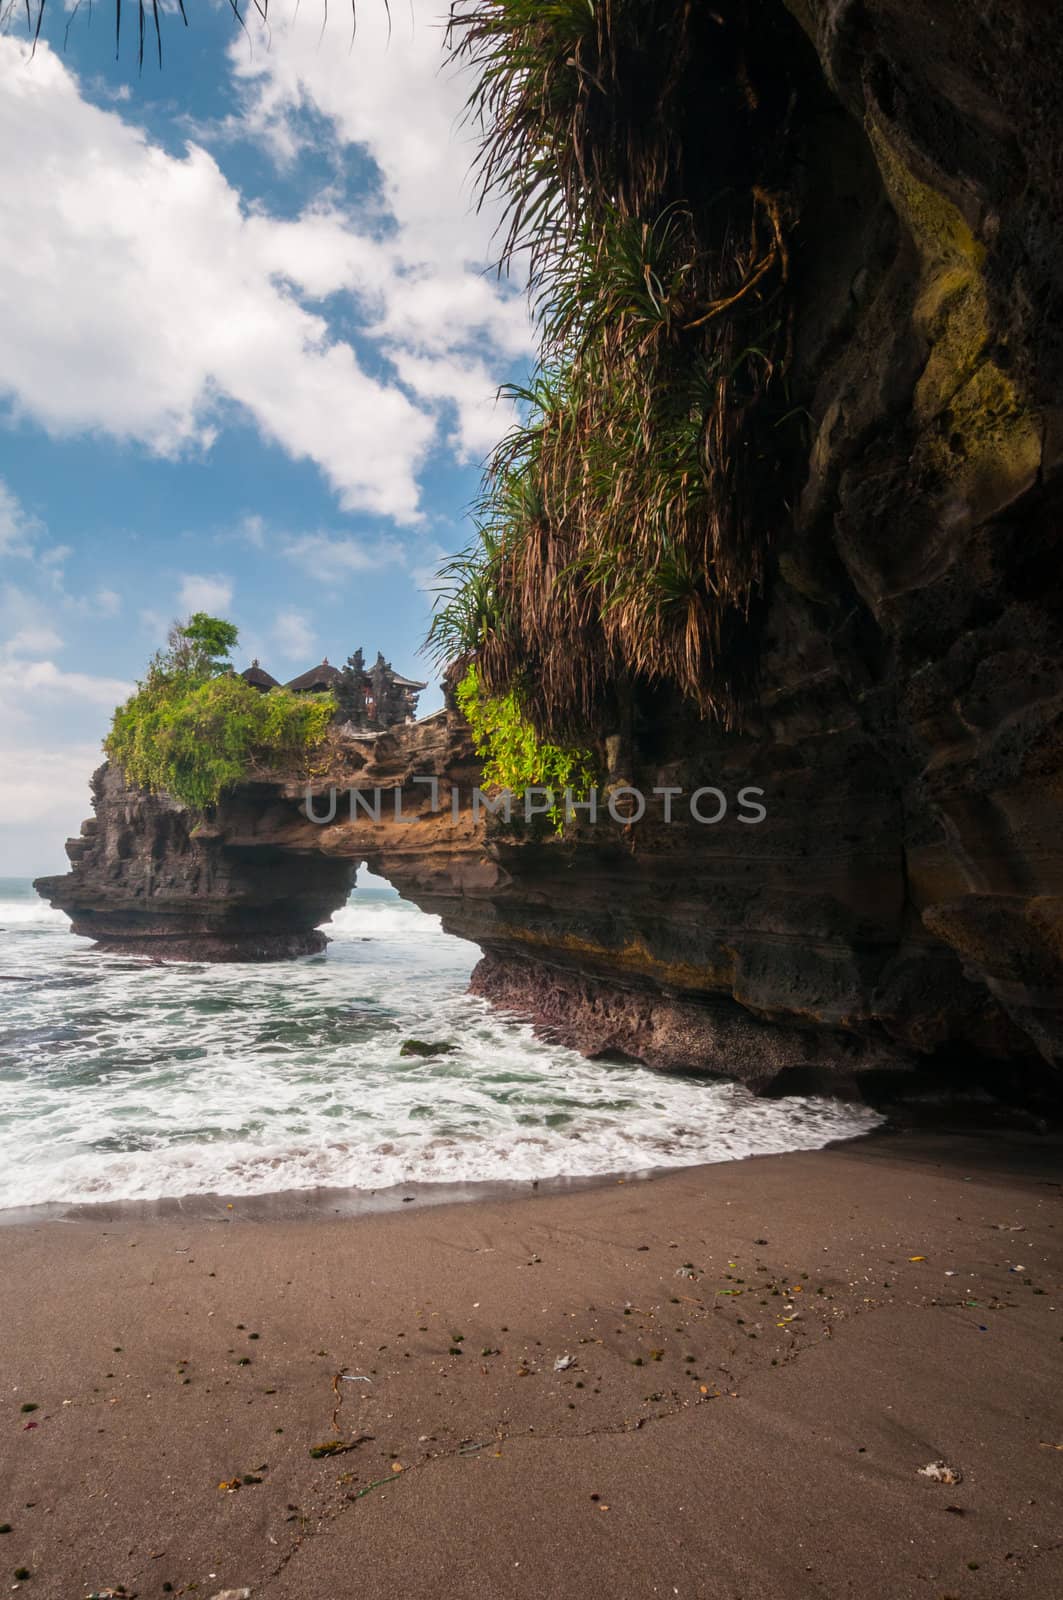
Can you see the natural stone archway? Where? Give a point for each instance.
(779, 953)
(904, 898)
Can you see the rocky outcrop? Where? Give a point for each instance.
(149, 878)
(903, 899)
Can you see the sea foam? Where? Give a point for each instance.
(123, 1080)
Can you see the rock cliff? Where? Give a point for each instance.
(903, 898)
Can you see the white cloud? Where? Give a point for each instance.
(47, 716)
(20, 536)
(31, 683)
(46, 787)
(427, 286)
(330, 559)
(143, 319)
(35, 676)
(199, 593)
(148, 320)
(105, 603)
(35, 640)
(18, 530)
(293, 635)
(252, 530)
(21, 533)
(482, 416)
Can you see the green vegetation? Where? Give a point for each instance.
(194, 729)
(625, 523)
(514, 756)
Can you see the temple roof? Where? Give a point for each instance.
(326, 675)
(258, 677)
(323, 676)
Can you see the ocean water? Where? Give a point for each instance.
(123, 1080)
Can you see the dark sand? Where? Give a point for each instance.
(754, 1457)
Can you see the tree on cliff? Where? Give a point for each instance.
(194, 729)
(202, 646)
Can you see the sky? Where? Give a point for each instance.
(252, 346)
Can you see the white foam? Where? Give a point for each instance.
(31, 913)
(119, 1080)
(390, 919)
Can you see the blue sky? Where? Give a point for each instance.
(251, 350)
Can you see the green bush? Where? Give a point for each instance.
(194, 729)
(514, 756)
(627, 522)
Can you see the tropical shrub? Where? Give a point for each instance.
(626, 522)
(514, 757)
(194, 729)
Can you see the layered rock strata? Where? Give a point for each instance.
(903, 899)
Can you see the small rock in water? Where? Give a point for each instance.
(421, 1047)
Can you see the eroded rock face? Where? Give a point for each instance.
(904, 898)
(148, 878)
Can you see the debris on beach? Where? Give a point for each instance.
(563, 1363)
(232, 1594)
(941, 1472)
(378, 1483)
(337, 1447)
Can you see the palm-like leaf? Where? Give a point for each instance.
(632, 509)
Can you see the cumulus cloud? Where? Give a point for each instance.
(427, 285)
(152, 318)
(199, 593)
(136, 302)
(330, 559)
(44, 786)
(293, 635)
(466, 382)
(35, 640)
(31, 682)
(37, 694)
(45, 675)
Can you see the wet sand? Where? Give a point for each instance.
(754, 1369)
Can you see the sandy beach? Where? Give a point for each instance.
(718, 1383)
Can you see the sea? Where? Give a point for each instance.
(125, 1081)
